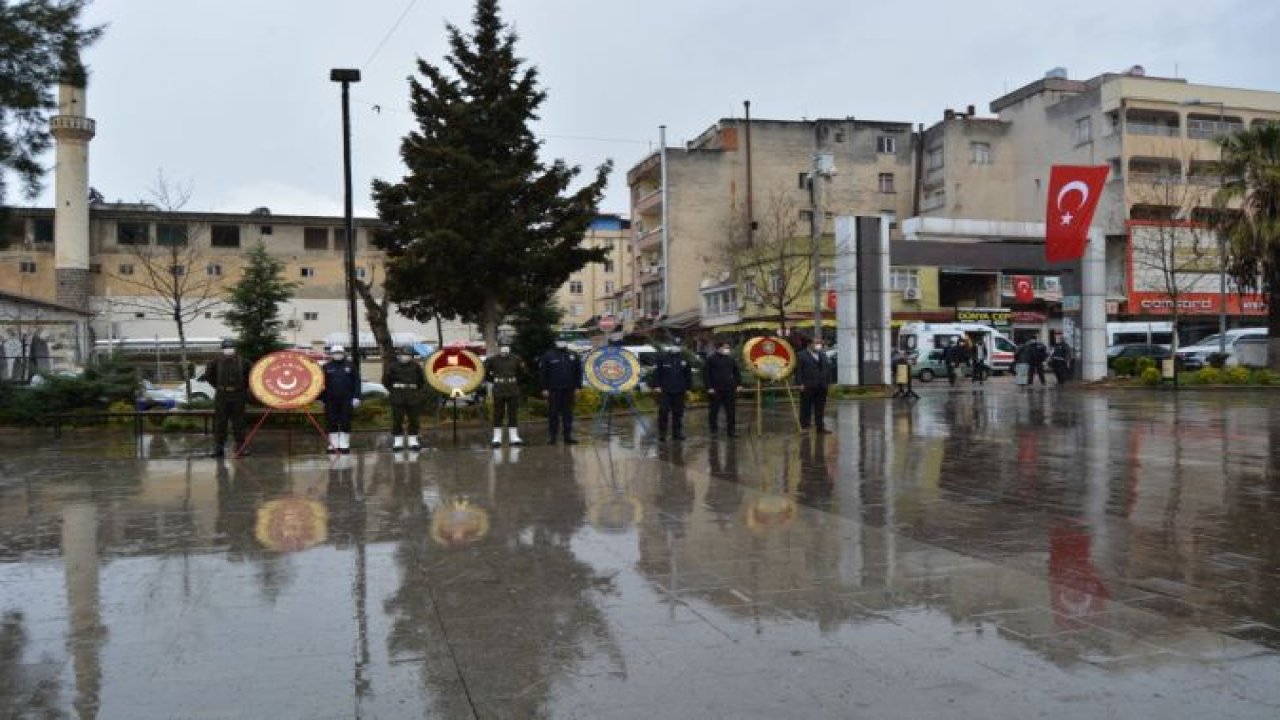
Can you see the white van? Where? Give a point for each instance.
(1140, 333)
(1194, 357)
(924, 337)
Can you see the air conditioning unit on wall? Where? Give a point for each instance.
(911, 294)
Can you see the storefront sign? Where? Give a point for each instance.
(995, 317)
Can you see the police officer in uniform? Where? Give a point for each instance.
(673, 378)
(561, 374)
(722, 378)
(405, 380)
(503, 371)
(340, 396)
(229, 376)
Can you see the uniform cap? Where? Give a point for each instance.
(228, 343)
(337, 349)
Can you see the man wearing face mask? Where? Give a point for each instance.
(673, 377)
(561, 373)
(405, 381)
(503, 371)
(229, 376)
(340, 396)
(815, 375)
(722, 378)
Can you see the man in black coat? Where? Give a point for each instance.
(722, 378)
(560, 371)
(673, 378)
(229, 376)
(814, 375)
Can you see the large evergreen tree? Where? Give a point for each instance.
(40, 43)
(254, 304)
(479, 226)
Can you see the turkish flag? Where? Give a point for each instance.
(1074, 191)
(1023, 290)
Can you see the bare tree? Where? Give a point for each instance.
(772, 265)
(1172, 247)
(172, 277)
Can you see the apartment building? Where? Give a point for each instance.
(686, 202)
(597, 289)
(1157, 135)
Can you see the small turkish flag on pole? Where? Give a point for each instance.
(1074, 191)
(1023, 290)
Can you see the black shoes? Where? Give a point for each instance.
(823, 431)
(570, 441)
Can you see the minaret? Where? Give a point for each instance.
(72, 129)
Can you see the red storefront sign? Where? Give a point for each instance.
(1154, 303)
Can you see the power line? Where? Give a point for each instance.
(390, 32)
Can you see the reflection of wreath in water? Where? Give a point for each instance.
(286, 380)
(769, 358)
(459, 523)
(454, 370)
(290, 524)
(612, 370)
(771, 512)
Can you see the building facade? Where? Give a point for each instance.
(692, 206)
(596, 290)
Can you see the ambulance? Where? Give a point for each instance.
(922, 338)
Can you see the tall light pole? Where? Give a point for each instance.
(346, 77)
(1222, 245)
(823, 168)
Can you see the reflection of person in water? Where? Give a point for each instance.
(674, 495)
(724, 493)
(528, 570)
(344, 498)
(815, 485)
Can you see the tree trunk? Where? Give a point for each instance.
(379, 322)
(489, 327)
(182, 355)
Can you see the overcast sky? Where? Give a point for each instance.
(234, 95)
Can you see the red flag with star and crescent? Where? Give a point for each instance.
(1023, 290)
(1074, 191)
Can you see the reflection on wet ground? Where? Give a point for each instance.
(1002, 554)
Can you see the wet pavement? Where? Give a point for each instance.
(993, 554)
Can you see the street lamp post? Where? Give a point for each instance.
(346, 77)
(1222, 245)
(823, 168)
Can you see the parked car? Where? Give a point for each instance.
(168, 397)
(1135, 351)
(1194, 357)
(931, 365)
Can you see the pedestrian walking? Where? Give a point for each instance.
(560, 371)
(1060, 360)
(722, 377)
(903, 362)
(406, 381)
(981, 361)
(229, 376)
(341, 396)
(503, 371)
(953, 356)
(673, 379)
(1037, 354)
(815, 377)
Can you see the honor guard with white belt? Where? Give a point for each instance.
(405, 380)
(503, 371)
(229, 376)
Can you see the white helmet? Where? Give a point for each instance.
(337, 349)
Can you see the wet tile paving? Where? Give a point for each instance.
(1000, 554)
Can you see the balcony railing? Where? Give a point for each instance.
(649, 239)
(1159, 129)
(1155, 178)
